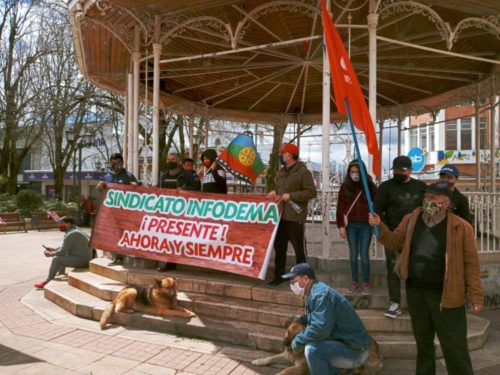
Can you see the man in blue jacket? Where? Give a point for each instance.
(335, 337)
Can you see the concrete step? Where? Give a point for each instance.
(253, 335)
(191, 279)
(218, 283)
(202, 304)
(234, 308)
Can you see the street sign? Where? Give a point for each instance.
(417, 157)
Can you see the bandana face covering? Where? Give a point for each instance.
(430, 208)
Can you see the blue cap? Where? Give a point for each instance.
(301, 269)
(450, 170)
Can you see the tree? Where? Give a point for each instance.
(19, 53)
(64, 98)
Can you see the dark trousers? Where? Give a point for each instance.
(450, 326)
(289, 231)
(393, 281)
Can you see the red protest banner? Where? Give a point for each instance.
(233, 233)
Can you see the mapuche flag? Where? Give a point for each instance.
(346, 85)
(241, 158)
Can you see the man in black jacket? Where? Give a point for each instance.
(169, 176)
(460, 203)
(394, 199)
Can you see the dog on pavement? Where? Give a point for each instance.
(373, 365)
(159, 298)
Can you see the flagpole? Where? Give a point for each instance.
(364, 177)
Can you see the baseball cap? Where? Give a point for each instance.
(301, 269)
(290, 148)
(401, 161)
(439, 188)
(450, 170)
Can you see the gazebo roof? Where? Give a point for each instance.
(285, 80)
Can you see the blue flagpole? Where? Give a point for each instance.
(364, 177)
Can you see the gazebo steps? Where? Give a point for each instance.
(190, 279)
(250, 334)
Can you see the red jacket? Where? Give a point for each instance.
(359, 211)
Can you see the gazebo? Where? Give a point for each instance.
(263, 61)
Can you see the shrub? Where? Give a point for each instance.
(57, 205)
(28, 201)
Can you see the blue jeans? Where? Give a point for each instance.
(359, 235)
(329, 357)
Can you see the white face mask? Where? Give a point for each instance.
(355, 177)
(296, 289)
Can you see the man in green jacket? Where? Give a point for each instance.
(294, 186)
(440, 265)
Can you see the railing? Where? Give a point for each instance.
(484, 207)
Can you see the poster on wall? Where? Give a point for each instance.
(233, 233)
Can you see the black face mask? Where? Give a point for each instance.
(400, 177)
(171, 165)
(116, 166)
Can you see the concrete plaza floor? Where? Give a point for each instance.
(38, 337)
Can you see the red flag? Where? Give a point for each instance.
(346, 85)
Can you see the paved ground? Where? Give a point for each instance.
(38, 337)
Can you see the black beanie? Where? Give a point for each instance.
(210, 154)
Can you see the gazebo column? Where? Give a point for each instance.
(136, 57)
(325, 158)
(130, 120)
(156, 112)
(372, 70)
(478, 144)
(493, 126)
(191, 136)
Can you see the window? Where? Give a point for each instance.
(423, 137)
(451, 135)
(482, 133)
(414, 137)
(25, 163)
(466, 134)
(432, 137)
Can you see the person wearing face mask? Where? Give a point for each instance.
(460, 203)
(335, 338)
(352, 221)
(394, 199)
(74, 252)
(294, 186)
(213, 177)
(118, 175)
(169, 176)
(440, 266)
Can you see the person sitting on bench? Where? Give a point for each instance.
(74, 251)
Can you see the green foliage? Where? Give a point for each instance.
(6, 203)
(28, 201)
(57, 205)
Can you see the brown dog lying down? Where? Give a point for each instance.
(373, 365)
(159, 298)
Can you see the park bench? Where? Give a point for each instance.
(11, 220)
(42, 220)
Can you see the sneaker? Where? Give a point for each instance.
(41, 285)
(276, 282)
(354, 288)
(366, 290)
(393, 311)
